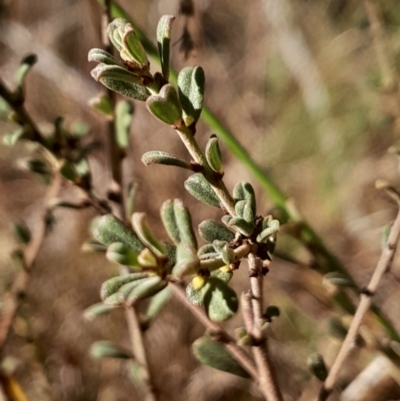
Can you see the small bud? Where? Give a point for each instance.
(317, 366)
(213, 155)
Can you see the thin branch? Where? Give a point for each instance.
(17, 104)
(349, 342)
(12, 299)
(139, 352)
(237, 352)
(267, 378)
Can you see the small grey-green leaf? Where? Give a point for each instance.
(226, 253)
(159, 157)
(157, 303)
(119, 253)
(146, 289)
(121, 81)
(123, 120)
(169, 220)
(241, 226)
(271, 229)
(102, 104)
(166, 106)
(184, 224)
(107, 349)
(317, 366)
(146, 236)
(216, 355)
(102, 56)
(207, 251)
(244, 191)
(211, 230)
(201, 189)
(112, 285)
(213, 154)
(187, 261)
(163, 42)
(191, 82)
(220, 301)
(108, 229)
(133, 49)
(113, 32)
(99, 309)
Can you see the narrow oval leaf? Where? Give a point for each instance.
(96, 310)
(123, 120)
(112, 285)
(146, 236)
(241, 226)
(220, 301)
(187, 261)
(169, 220)
(101, 56)
(201, 189)
(121, 81)
(133, 50)
(113, 32)
(191, 82)
(223, 249)
(163, 42)
(157, 303)
(159, 157)
(244, 191)
(108, 229)
(107, 349)
(271, 229)
(213, 154)
(216, 355)
(166, 106)
(119, 253)
(211, 230)
(102, 104)
(184, 224)
(146, 289)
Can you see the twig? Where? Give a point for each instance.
(267, 379)
(382, 267)
(12, 298)
(307, 235)
(237, 352)
(139, 351)
(17, 104)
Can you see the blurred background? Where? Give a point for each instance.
(307, 89)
